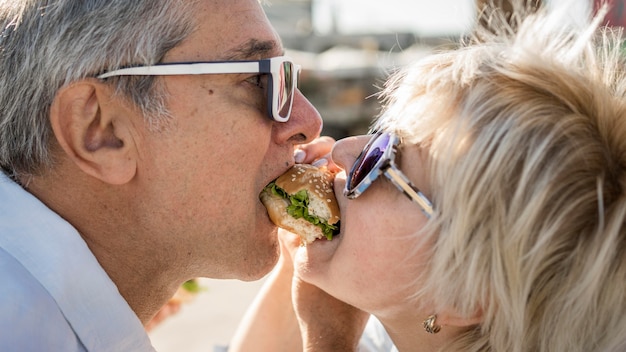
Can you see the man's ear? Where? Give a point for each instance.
(92, 126)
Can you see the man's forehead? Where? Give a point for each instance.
(228, 30)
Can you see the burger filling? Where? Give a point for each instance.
(299, 208)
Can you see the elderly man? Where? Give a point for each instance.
(135, 137)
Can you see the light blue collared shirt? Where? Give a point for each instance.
(54, 295)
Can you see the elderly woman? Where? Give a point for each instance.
(488, 210)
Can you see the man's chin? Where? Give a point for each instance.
(262, 255)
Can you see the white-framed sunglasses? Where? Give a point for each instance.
(378, 157)
(281, 85)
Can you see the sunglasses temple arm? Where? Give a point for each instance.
(411, 191)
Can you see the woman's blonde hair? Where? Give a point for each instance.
(526, 131)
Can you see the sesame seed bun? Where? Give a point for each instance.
(318, 183)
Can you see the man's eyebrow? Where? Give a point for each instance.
(252, 49)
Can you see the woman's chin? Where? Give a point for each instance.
(315, 257)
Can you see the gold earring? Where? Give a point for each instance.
(429, 325)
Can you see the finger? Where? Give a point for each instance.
(289, 243)
(310, 152)
(327, 162)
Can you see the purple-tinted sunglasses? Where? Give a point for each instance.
(378, 157)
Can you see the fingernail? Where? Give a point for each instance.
(299, 155)
(320, 162)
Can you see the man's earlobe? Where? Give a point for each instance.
(90, 124)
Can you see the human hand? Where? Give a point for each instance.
(271, 324)
(317, 153)
(326, 323)
(289, 244)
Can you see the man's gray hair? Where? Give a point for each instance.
(45, 45)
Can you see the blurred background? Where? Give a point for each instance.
(347, 49)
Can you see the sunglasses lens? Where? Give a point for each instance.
(369, 157)
(285, 91)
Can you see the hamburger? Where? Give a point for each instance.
(303, 201)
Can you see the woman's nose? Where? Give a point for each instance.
(347, 150)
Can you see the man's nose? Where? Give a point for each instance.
(304, 124)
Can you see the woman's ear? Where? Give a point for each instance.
(92, 127)
(452, 319)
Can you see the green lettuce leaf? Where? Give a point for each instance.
(299, 208)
